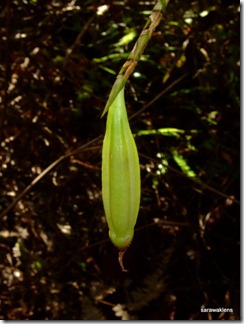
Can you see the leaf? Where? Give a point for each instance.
(169, 131)
(182, 163)
(126, 39)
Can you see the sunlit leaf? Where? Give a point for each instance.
(38, 265)
(162, 131)
(126, 39)
(182, 163)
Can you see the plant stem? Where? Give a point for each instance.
(137, 51)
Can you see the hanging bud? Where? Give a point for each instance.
(120, 176)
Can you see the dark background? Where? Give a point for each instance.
(58, 62)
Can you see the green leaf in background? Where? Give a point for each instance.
(38, 265)
(182, 163)
(162, 131)
(116, 57)
(126, 39)
(168, 131)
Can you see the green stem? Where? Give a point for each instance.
(137, 51)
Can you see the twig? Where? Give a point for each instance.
(138, 229)
(45, 172)
(198, 182)
(78, 38)
(174, 83)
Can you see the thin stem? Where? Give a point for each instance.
(198, 182)
(78, 38)
(121, 256)
(174, 83)
(45, 172)
(137, 51)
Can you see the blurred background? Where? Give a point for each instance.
(58, 62)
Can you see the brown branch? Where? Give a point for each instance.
(163, 92)
(44, 173)
(78, 38)
(198, 182)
